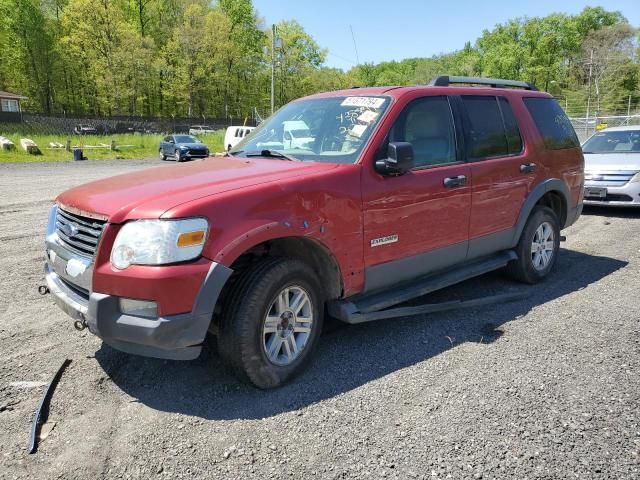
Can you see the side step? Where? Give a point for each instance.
(367, 307)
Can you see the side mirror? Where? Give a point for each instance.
(171, 141)
(399, 159)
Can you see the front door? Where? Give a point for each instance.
(418, 222)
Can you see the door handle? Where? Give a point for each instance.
(452, 182)
(528, 168)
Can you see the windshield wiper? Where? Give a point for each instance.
(270, 153)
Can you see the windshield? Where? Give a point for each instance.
(186, 139)
(627, 141)
(333, 129)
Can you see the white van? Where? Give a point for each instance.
(296, 134)
(233, 135)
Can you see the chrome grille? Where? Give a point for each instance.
(608, 178)
(78, 233)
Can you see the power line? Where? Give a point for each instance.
(355, 47)
(342, 58)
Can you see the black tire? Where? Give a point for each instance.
(177, 157)
(241, 341)
(523, 269)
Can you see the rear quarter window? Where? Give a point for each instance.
(553, 124)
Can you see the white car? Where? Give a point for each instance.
(234, 135)
(200, 129)
(612, 167)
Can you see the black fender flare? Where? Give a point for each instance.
(549, 185)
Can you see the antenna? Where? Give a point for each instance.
(355, 47)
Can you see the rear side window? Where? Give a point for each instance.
(552, 123)
(492, 130)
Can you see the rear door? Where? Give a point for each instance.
(418, 222)
(501, 171)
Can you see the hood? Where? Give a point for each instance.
(612, 161)
(149, 193)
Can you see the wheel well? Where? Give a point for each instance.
(304, 249)
(556, 202)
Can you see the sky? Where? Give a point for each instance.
(397, 29)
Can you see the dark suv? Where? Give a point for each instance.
(390, 193)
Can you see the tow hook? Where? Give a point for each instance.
(80, 324)
(43, 290)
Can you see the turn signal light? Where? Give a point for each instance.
(190, 239)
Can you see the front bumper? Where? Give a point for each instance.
(627, 195)
(196, 154)
(176, 337)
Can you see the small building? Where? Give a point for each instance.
(10, 107)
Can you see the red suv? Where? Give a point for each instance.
(347, 202)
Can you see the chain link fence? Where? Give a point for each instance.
(587, 126)
(52, 124)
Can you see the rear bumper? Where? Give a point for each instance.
(177, 337)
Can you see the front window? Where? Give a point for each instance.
(331, 129)
(613, 142)
(186, 139)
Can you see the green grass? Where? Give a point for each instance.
(127, 146)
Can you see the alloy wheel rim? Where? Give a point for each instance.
(287, 325)
(542, 246)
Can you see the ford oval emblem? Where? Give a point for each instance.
(69, 229)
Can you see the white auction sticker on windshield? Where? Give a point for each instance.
(370, 102)
(357, 130)
(368, 116)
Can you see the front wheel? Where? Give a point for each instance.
(538, 247)
(177, 157)
(271, 322)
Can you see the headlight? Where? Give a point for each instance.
(183, 147)
(635, 178)
(158, 242)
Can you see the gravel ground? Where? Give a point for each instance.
(545, 387)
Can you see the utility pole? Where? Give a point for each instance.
(629, 107)
(589, 94)
(273, 68)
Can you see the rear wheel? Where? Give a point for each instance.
(271, 322)
(537, 248)
(163, 157)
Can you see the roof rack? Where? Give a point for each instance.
(446, 80)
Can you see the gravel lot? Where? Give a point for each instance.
(546, 387)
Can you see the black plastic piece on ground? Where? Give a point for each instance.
(43, 289)
(42, 413)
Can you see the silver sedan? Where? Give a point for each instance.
(612, 167)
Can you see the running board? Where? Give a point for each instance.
(368, 307)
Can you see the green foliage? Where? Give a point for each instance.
(127, 145)
(206, 59)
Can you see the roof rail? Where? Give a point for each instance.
(446, 80)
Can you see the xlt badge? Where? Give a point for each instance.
(376, 242)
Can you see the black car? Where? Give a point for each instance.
(182, 147)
